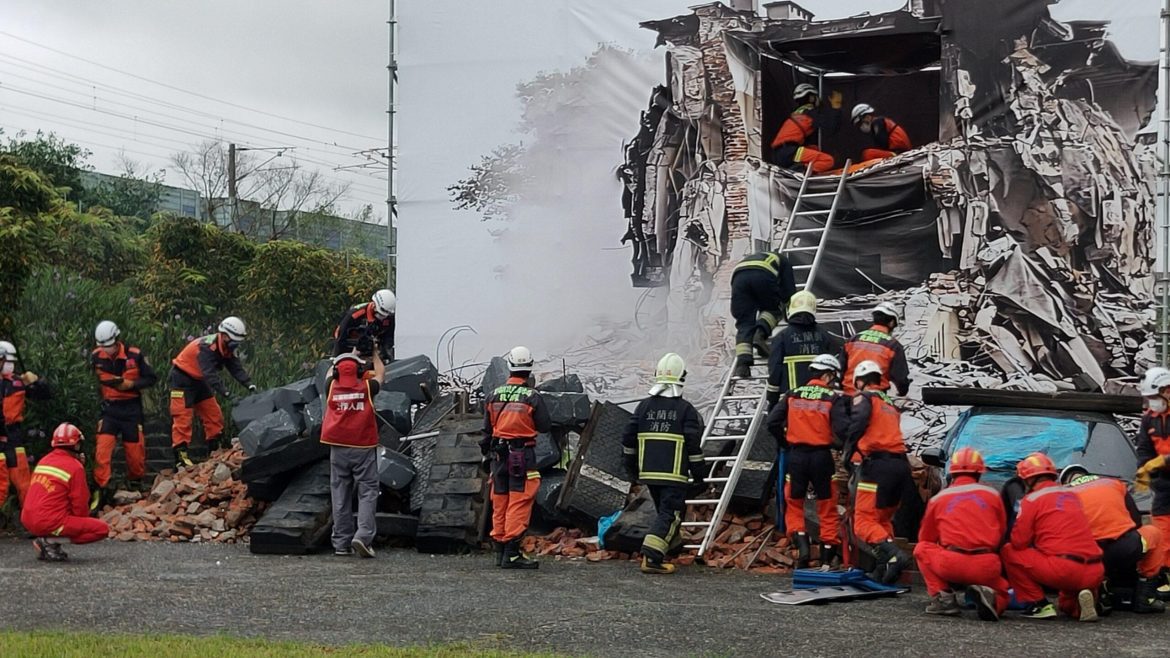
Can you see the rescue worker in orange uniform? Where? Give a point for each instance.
(794, 144)
(878, 344)
(809, 422)
(58, 498)
(660, 449)
(1052, 547)
(122, 372)
(796, 346)
(350, 429)
(368, 325)
(889, 138)
(959, 540)
(1133, 553)
(1153, 446)
(15, 390)
(513, 415)
(195, 380)
(875, 430)
(761, 286)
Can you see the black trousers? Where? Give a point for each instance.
(1121, 557)
(756, 304)
(669, 505)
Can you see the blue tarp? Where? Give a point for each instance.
(1005, 439)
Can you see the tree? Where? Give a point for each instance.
(489, 190)
(60, 161)
(134, 193)
(205, 169)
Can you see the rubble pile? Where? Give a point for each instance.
(203, 503)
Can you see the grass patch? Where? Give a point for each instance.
(56, 644)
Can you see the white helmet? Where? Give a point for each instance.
(803, 89)
(7, 351)
(519, 359)
(887, 309)
(866, 367)
(826, 362)
(234, 328)
(669, 376)
(860, 110)
(106, 333)
(385, 303)
(1155, 380)
(802, 302)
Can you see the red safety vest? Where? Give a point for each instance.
(12, 388)
(873, 344)
(350, 420)
(796, 129)
(884, 433)
(1104, 503)
(809, 408)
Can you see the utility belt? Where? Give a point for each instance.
(1080, 560)
(807, 447)
(970, 551)
(885, 455)
(518, 443)
(1104, 543)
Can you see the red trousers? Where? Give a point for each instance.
(827, 514)
(942, 569)
(135, 458)
(876, 154)
(1029, 571)
(1162, 522)
(183, 418)
(821, 162)
(18, 475)
(512, 510)
(77, 529)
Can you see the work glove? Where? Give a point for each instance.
(835, 100)
(29, 378)
(124, 385)
(227, 395)
(1141, 480)
(251, 388)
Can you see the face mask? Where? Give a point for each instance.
(1156, 405)
(9, 368)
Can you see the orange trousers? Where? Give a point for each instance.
(872, 524)
(135, 458)
(16, 474)
(827, 514)
(1155, 554)
(1162, 522)
(511, 511)
(183, 417)
(821, 162)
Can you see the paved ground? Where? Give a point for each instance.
(403, 597)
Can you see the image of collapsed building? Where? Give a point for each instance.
(1017, 234)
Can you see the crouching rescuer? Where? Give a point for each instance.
(195, 381)
(58, 498)
(660, 447)
(513, 415)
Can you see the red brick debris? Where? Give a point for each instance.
(747, 543)
(202, 503)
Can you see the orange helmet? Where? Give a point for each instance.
(969, 461)
(66, 436)
(1035, 464)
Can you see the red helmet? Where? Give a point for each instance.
(67, 436)
(1035, 464)
(969, 461)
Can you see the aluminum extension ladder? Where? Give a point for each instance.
(741, 400)
(804, 244)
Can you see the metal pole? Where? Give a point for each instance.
(1164, 316)
(391, 159)
(231, 175)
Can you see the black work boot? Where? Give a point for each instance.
(760, 342)
(1105, 599)
(891, 561)
(499, 546)
(803, 550)
(742, 370)
(1145, 597)
(514, 558)
(213, 445)
(830, 559)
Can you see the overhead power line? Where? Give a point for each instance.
(180, 89)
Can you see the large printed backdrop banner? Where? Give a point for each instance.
(513, 116)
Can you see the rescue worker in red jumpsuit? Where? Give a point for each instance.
(1052, 547)
(761, 286)
(809, 422)
(878, 344)
(195, 380)
(660, 449)
(513, 415)
(122, 372)
(350, 429)
(959, 540)
(58, 498)
(794, 144)
(1133, 554)
(889, 138)
(15, 390)
(875, 430)
(1153, 445)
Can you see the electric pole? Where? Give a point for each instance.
(231, 176)
(391, 159)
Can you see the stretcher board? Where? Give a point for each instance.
(818, 595)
